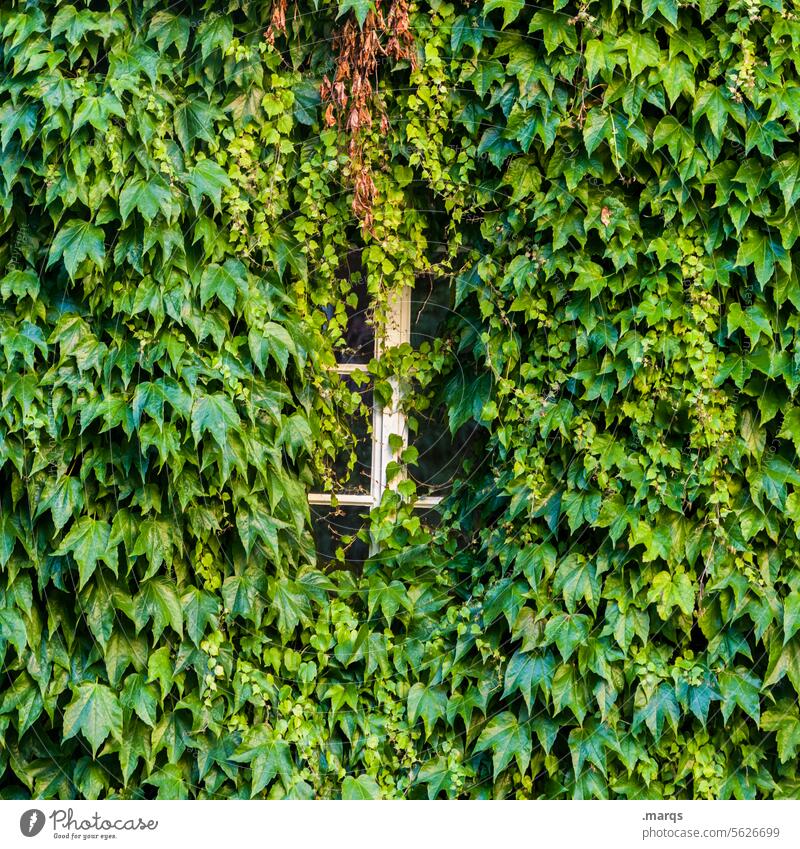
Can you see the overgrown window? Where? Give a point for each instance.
(386, 432)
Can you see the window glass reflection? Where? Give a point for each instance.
(359, 425)
(430, 309)
(441, 454)
(359, 334)
(336, 536)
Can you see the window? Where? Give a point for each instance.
(338, 529)
(412, 317)
(386, 420)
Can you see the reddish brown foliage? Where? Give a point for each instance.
(351, 95)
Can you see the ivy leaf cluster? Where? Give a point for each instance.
(607, 602)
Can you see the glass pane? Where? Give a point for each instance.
(440, 455)
(359, 424)
(430, 309)
(430, 516)
(335, 530)
(359, 335)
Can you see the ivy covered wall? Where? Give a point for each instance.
(609, 605)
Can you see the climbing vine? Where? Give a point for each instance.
(607, 603)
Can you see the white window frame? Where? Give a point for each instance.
(387, 420)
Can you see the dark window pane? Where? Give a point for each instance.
(359, 424)
(335, 534)
(359, 334)
(430, 517)
(430, 309)
(440, 455)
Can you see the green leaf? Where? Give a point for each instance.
(88, 542)
(596, 56)
(362, 787)
(486, 73)
(215, 414)
(511, 9)
(791, 615)
(535, 561)
(556, 29)
(95, 712)
(195, 119)
(361, 8)
(273, 340)
(668, 8)
(784, 659)
(737, 367)
(576, 578)
(206, 179)
(669, 590)
(527, 672)
(20, 284)
(595, 129)
(697, 696)
(13, 630)
(149, 197)
(581, 508)
(214, 33)
(739, 688)
(141, 698)
(296, 434)
(436, 775)
(160, 668)
(589, 743)
(122, 650)
(567, 631)
(790, 427)
(752, 320)
(291, 605)
(223, 282)
(158, 601)
(783, 719)
(677, 74)
(63, 497)
(507, 739)
(23, 695)
(199, 610)
(306, 102)
(268, 756)
(154, 541)
(787, 175)
(760, 251)
(654, 708)
(17, 118)
(711, 102)
(75, 242)
(96, 110)
(241, 595)
(256, 525)
(170, 782)
(430, 703)
(708, 8)
(169, 29)
(389, 597)
(75, 24)
(643, 51)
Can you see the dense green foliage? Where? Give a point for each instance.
(610, 604)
